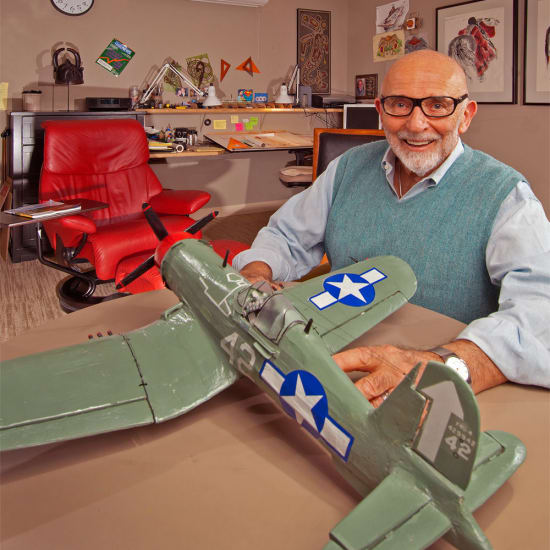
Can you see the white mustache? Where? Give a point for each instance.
(403, 134)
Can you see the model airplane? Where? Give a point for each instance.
(419, 459)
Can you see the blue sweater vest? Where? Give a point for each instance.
(442, 233)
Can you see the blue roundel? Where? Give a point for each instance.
(305, 399)
(350, 289)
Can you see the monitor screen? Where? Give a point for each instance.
(361, 116)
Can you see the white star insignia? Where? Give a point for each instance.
(348, 287)
(302, 403)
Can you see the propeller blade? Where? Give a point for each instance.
(154, 221)
(137, 272)
(197, 226)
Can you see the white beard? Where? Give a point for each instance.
(422, 163)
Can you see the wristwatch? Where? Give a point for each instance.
(452, 360)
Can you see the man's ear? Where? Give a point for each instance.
(467, 116)
(378, 105)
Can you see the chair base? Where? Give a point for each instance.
(76, 293)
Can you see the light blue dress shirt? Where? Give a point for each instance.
(516, 337)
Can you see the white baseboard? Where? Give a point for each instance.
(246, 208)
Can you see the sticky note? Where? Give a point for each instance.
(220, 124)
(254, 119)
(234, 119)
(239, 126)
(3, 96)
(245, 120)
(249, 126)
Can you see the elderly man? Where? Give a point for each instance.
(470, 227)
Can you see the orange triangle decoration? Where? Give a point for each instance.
(224, 69)
(248, 66)
(235, 144)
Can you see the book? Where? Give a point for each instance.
(44, 209)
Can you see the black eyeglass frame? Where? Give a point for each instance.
(417, 102)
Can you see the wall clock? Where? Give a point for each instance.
(72, 7)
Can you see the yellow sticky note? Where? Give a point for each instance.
(220, 124)
(234, 119)
(3, 96)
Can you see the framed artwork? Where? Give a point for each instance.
(388, 46)
(482, 36)
(536, 63)
(366, 86)
(313, 44)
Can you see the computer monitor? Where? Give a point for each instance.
(362, 116)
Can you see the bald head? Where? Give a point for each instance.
(425, 73)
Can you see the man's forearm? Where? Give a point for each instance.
(484, 373)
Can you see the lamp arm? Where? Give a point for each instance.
(295, 78)
(160, 75)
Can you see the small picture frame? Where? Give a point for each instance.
(366, 86)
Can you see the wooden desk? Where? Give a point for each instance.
(234, 473)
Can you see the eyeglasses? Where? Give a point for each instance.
(436, 107)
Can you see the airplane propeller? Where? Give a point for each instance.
(161, 233)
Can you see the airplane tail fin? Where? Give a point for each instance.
(438, 417)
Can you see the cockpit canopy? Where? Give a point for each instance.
(268, 312)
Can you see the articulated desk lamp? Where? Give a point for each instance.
(301, 92)
(210, 101)
(283, 96)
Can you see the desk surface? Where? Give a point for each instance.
(234, 473)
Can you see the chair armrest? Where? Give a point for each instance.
(72, 223)
(172, 201)
(76, 223)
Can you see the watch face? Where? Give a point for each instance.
(459, 366)
(73, 7)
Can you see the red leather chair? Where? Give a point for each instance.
(106, 161)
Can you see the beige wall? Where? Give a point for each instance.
(518, 135)
(31, 29)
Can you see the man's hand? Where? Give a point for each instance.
(387, 365)
(260, 271)
(257, 271)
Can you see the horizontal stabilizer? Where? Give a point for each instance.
(346, 303)
(395, 515)
(499, 455)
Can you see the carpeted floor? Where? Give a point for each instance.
(28, 289)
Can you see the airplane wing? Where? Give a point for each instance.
(346, 303)
(100, 386)
(394, 515)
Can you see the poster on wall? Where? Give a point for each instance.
(416, 42)
(115, 57)
(391, 16)
(482, 36)
(536, 66)
(314, 49)
(388, 46)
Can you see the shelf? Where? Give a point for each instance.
(167, 155)
(235, 111)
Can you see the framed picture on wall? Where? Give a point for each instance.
(314, 49)
(536, 63)
(482, 36)
(366, 86)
